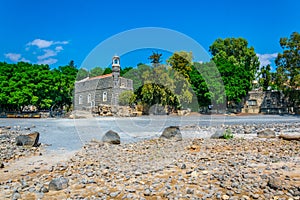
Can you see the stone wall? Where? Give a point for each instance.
(92, 92)
(269, 102)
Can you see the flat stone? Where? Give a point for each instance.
(267, 133)
(31, 139)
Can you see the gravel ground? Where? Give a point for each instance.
(246, 167)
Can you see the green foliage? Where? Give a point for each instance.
(237, 64)
(228, 134)
(138, 75)
(153, 93)
(289, 60)
(160, 84)
(127, 98)
(82, 74)
(288, 68)
(107, 71)
(182, 63)
(155, 58)
(24, 84)
(125, 70)
(97, 71)
(208, 85)
(266, 77)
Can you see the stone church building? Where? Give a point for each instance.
(101, 90)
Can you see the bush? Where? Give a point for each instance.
(228, 134)
(127, 98)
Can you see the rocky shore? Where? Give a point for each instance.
(245, 167)
(8, 144)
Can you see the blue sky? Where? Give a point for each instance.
(55, 32)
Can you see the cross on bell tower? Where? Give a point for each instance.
(116, 70)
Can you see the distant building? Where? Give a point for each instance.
(268, 102)
(101, 90)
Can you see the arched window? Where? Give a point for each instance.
(80, 99)
(89, 98)
(104, 96)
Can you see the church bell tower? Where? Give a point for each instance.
(116, 70)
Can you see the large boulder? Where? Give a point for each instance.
(267, 133)
(157, 109)
(172, 132)
(31, 139)
(58, 184)
(111, 137)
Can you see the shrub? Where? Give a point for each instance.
(228, 134)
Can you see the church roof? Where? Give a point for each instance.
(94, 78)
(99, 77)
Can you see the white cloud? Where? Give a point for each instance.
(48, 61)
(45, 43)
(59, 48)
(48, 53)
(25, 60)
(44, 51)
(61, 42)
(15, 57)
(265, 59)
(40, 43)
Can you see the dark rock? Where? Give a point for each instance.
(267, 133)
(44, 190)
(1, 165)
(58, 184)
(183, 166)
(31, 139)
(111, 137)
(157, 110)
(219, 134)
(172, 132)
(274, 183)
(190, 191)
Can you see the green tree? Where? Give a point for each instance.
(199, 86)
(97, 71)
(237, 64)
(266, 77)
(182, 63)
(82, 74)
(289, 60)
(155, 58)
(127, 98)
(107, 70)
(208, 85)
(137, 75)
(288, 68)
(125, 70)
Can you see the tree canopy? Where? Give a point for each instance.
(24, 84)
(287, 75)
(237, 64)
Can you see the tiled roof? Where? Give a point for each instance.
(99, 77)
(94, 78)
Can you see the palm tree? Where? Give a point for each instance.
(155, 58)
